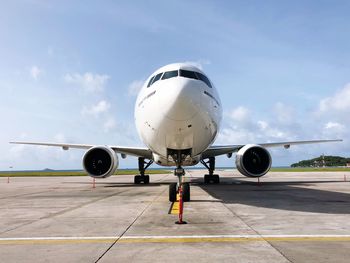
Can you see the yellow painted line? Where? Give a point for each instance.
(174, 239)
(175, 206)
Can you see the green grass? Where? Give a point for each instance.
(74, 173)
(311, 169)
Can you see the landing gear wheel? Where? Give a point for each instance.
(141, 179)
(137, 179)
(216, 179)
(206, 179)
(146, 179)
(172, 192)
(186, 193)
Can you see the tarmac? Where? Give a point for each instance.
(286, 217)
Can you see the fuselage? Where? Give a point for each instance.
(178, 109)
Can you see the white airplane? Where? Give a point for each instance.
(177, 115)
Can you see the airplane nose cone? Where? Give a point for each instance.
(181, 102)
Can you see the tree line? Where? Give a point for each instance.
(323, 161)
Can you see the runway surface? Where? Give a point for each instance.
(288, 217)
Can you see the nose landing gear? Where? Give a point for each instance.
(174, 188)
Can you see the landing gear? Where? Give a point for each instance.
(142, 178)
(179, 191)
(211, 177)
(174, 188)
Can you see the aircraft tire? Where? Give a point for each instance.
(186, 193)
(216, 179)
(206, 179)
(137, 179)
(172, 192)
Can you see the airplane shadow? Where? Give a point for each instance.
(292, 196)
(121, 184)
(283, 195)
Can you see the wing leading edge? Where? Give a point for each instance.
(229, 149)
(134, 151)
(147, 153)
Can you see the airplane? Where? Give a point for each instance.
(177, 115)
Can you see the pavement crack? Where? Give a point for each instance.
(132, 223)
(63, 211)
(252, 229)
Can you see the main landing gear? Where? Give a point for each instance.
(211, 177)
(142, 178)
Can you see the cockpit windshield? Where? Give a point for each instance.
(182, 73)
(188, 74)
(170, 74)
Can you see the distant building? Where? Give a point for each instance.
(348, 165)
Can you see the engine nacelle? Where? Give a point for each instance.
(253, 160)
(100, 162)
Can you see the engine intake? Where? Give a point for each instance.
(253, 160)
(100, 162)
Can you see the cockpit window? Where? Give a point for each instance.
(183, 73)
(204, 78)
(150, 82)
(156, 78)
(170, 74)
(188, 74)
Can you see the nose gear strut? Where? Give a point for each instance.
(174, 188)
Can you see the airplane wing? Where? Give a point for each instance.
(229, 149)
(134, 151)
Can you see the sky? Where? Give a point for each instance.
(70, 72)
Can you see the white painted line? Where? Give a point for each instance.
(238, 236)
(170, 237)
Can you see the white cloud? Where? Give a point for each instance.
(88, 81)
(263, 125)
(334, 125)
(240, 126)
(60, 137)
(95, 110)
(339, 102)
(109, 125)
(199, 63)
(240, 114)
(35, 72)
(334, 130)
(135, 87)
(284, 113)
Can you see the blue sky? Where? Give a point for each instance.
(69, 71)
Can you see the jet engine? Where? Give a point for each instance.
(100, 162)
(253, 160)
